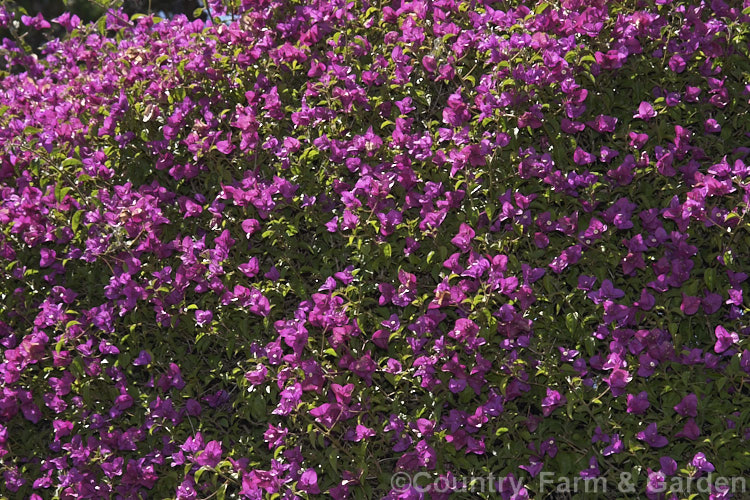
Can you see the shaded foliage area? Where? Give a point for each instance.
(89, 11)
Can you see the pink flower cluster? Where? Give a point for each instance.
(309, 244)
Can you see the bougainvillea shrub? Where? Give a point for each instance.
(311, 245)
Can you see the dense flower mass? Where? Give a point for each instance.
(313, 243)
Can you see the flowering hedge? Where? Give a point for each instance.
(318, 243)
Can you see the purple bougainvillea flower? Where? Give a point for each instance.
(463, 239)
(68, 21)
(186, 489)
(552, 401)
(607, 154)
(655, 485)
(688, 406)
(534, 468)
(724, 339)
(735, 297)
(645, 111)
(701, 464)
(406, 292)
(172, 378)
(343, 393)
(13, 480)
(429, 64)
(293, 333)
(251, 268)
(289, 399)
(651, 437)
(332, 225)
(392, 323)
(570, 255)
(606, 292)
(673, 99)
(31, 412)
(599, 436)
(586, 283)
(616, 446)
(393, 366)
(603, 123)
(250, 226)
(690, 305)
(689, 431)
(617, 313)
(581, 157)
(143, 359)
(411, 246)
(613, 59)
(48, 257)
(389, 221)
(692, 93)
(677, 63)
(457, 112)
(340, 491)
(736, 278)
(647, 365)
(275, 436)
(475, 446)
(541, 240)
(225, 146)
(193, 407)
(617, 380)
(638, 404)
(327, 414)
(593, 470)
(308, 482)
(190, 207)
(646, 301)
(380, 338)
(571, 127)
(203, 317)
(426, 455)
(272, 274)
(210, 456)
(567, 355)
(711, 302)
(711, 126)
(257, 376)
(37, 22)
(668, 466)
(637, 140)
(425, 427)
(360, 433)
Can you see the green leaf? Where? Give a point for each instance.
(198, 474)
(222, 491)
(571, 321)
(76, 220)
(709, 276)
(541, 7)
(70, 161)
(387, 250)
